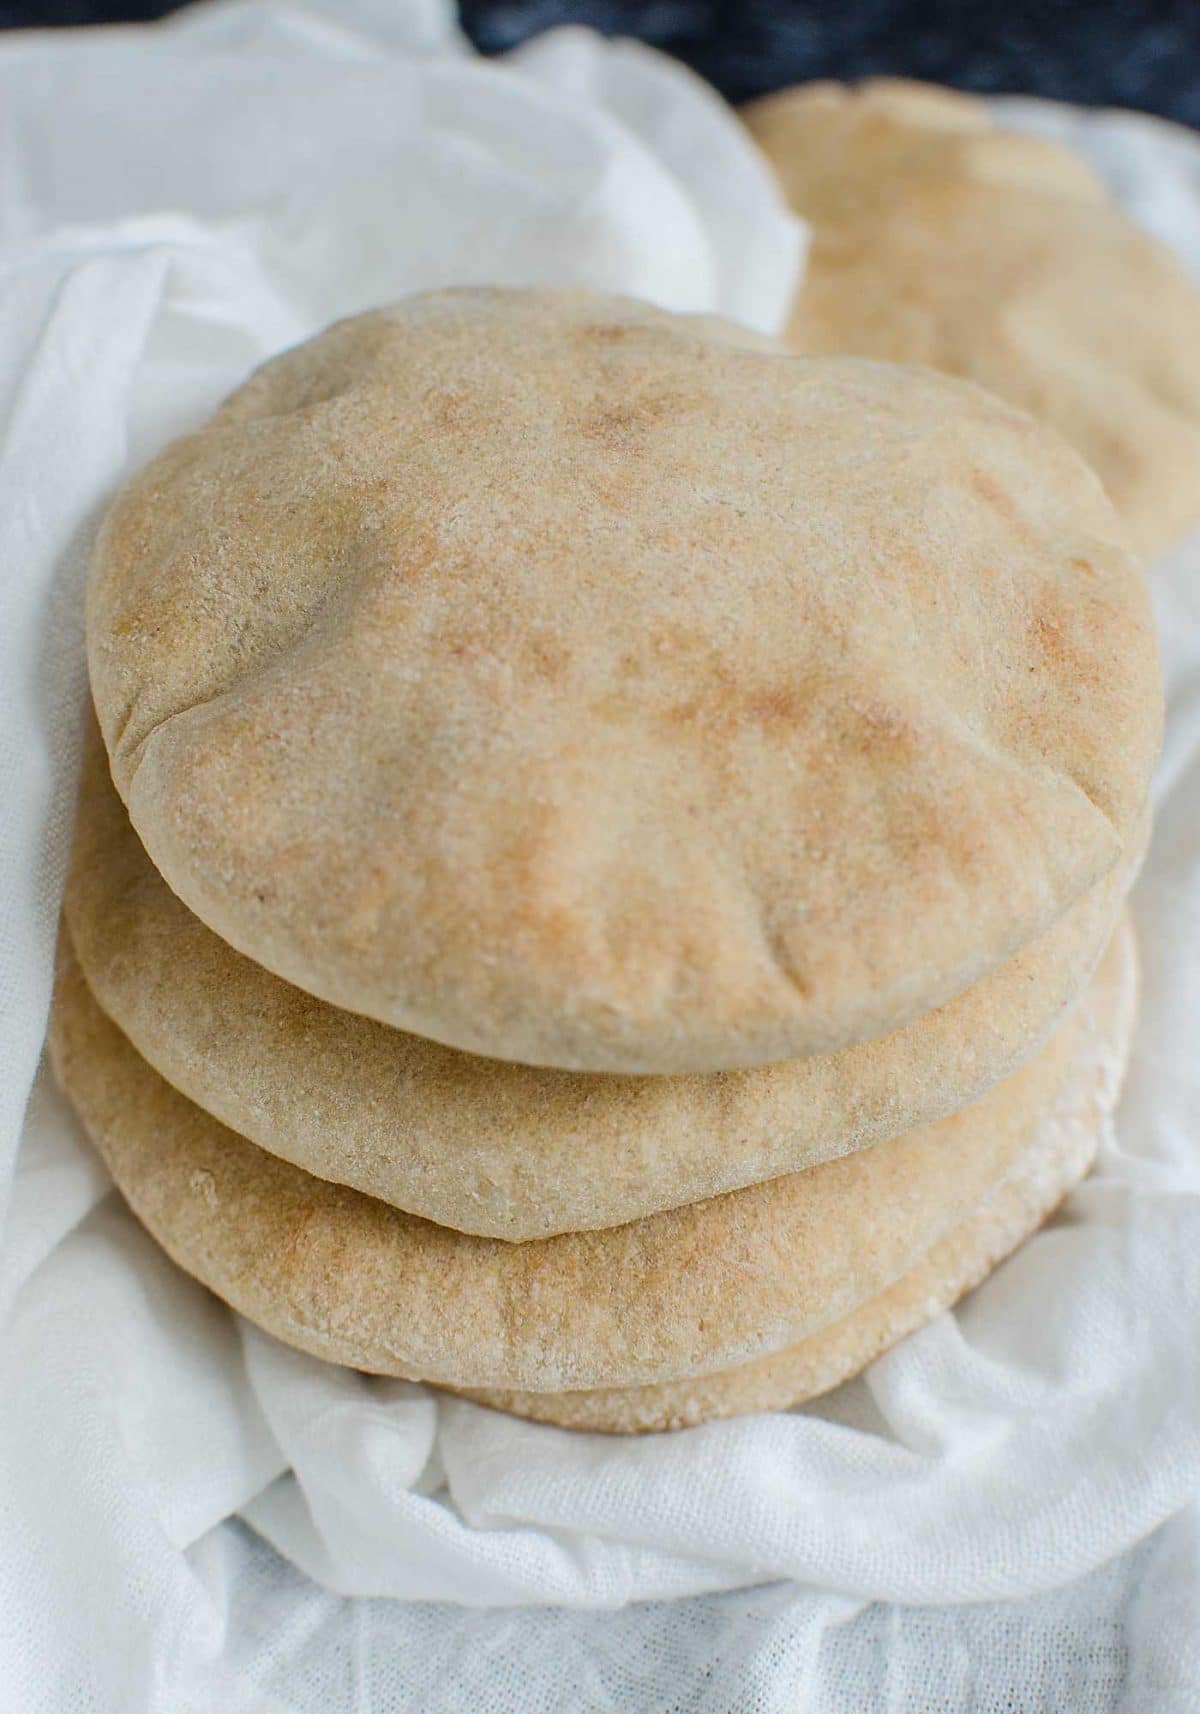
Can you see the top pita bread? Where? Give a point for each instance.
(937, 239)
(544, 675)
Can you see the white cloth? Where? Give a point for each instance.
(174, 204)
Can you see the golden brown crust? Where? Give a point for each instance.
(1001, 258)
(549, 677)
(501, 1149)
(680, 1294)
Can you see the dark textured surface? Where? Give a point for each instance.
(1133, 53)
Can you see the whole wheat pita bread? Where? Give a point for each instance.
(544, 675)
(679, 1294)
(1001, 258)
(846, 151)
(506, 1150)
(1057, 1159)
(930, 106)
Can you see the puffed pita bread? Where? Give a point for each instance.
(931, 106)
(1001, 258)
(507, 1150)
(679, 1294)
(846, 150)
(1057, 1158)
(552, 678)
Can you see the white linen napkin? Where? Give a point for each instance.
(175, 203)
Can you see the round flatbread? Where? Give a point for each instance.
(560, 681)
(1056, 1160)
(507, 1150)
(1000, 257)
(683, 1293)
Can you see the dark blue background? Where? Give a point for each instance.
(1135, 53)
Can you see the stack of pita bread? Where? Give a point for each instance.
(599, 876)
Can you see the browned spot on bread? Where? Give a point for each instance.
(879, 727)
(1070, 648)
(1047, 634)
(544, 918)
(547, 656)
(614, 425)
(466, 646)
(777, 705)
(606, 333)
(457, 412)
(721, 705)
(618, 424)
(989, 489)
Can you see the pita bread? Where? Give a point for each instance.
(507, 1150)
(1000, 258)
(682, 1293)
(846, 152)
(1057, 1159)
(546, 676)
(931, 106)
